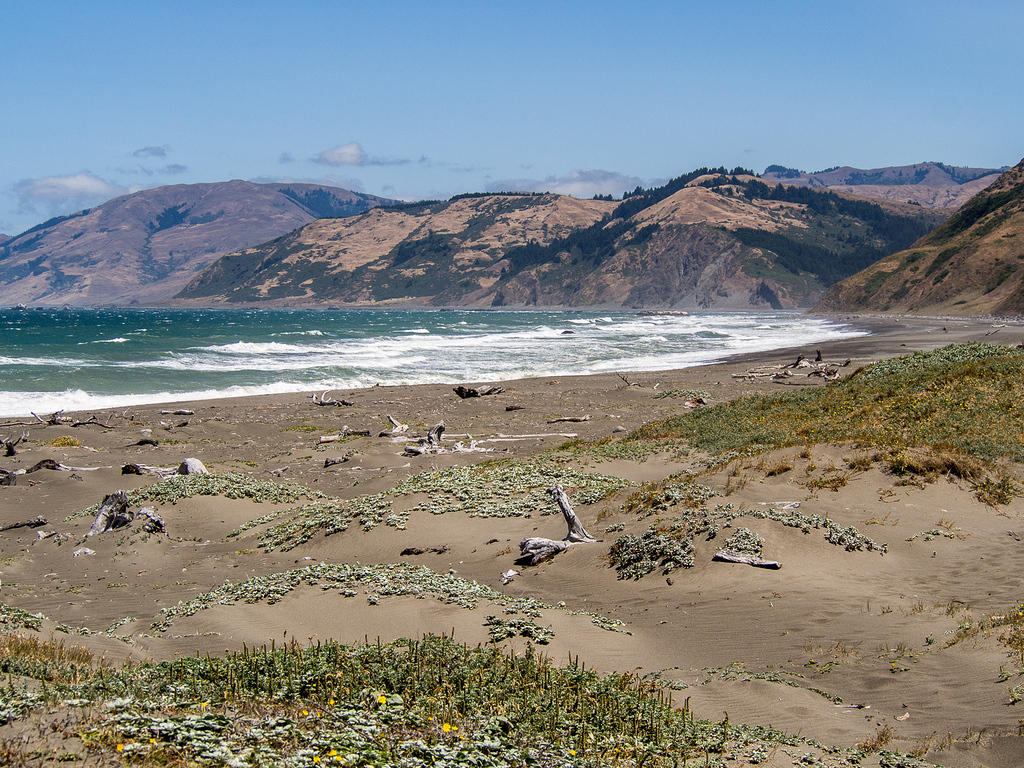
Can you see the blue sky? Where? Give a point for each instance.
(430, 99)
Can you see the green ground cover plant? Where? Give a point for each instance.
(408, 703)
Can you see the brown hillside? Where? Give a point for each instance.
(972, 264)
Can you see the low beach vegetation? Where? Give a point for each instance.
(407, 703)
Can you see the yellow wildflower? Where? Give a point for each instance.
(120, 747)
(446, 727)
(382, 699)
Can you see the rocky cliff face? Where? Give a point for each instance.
(709, 239)
(973, 264)
(144, 247)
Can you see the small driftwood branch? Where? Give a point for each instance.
(464, 392)
(178, 412)
(114, 513)
(728, 556)
(35, 522)
(326, 399)
(9, 443)
(535, 549)
(569, 418)
(8, 478)
(397, 428)
(330, 461)
(626, 381)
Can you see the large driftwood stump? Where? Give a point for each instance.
(536, 549)
(114, 513)
(429, 444)
(192, 467)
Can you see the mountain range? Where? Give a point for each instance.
(935, 185)
(971, 264)
(710, 239)
(142, 248)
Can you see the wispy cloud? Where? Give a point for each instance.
(174, 168)
(285, 157)
(63, 194)
(160, 151)
(353, 153)
(586, 182)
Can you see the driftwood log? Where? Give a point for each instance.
(345, 432)
(187, 467)
(569, 418)
(178, 412)
(151, 521)
(535, 549)
(729, 556)
(465, 392)
(114, 513)
(57, 418)
(8, 478)
(35, 522)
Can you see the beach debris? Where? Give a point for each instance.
(151, 521)
(9, 443)
(8, 478)
(514, 408)
(439, 550)
(333, 460)
(905, 716)
(730, 556)
(147, 441)
(326, 399)
(535, 549)
(58, 418)
(35, 522)
(509, 575)
(114, 513)
(626, 381)
(829, 371)
(178, 412)
(429, 444)
(397, 428)
(345, 432)
(464, 392)
(192, 467)
(569, 418)
(83, 551)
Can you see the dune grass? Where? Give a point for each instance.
(962, 398)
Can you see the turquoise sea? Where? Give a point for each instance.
(81, 359)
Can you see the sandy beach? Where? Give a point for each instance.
(835, 645)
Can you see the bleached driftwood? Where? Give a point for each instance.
(326, 399)
(536, 549)
(151, 521)
(569, 418)
(9, 443)
(58, 419)
(626, 381)
(8, 478)
(178, 412)
(464, 392)
(429, 444)
(35, 522)
(331, 461)
(397, 428)
(114, 513)
(729, 556)
(829, 371)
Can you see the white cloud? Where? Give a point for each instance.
(344, 154)
(586, 182)
(64, 193)
(354, 154)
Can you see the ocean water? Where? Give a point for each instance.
(82, 359)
